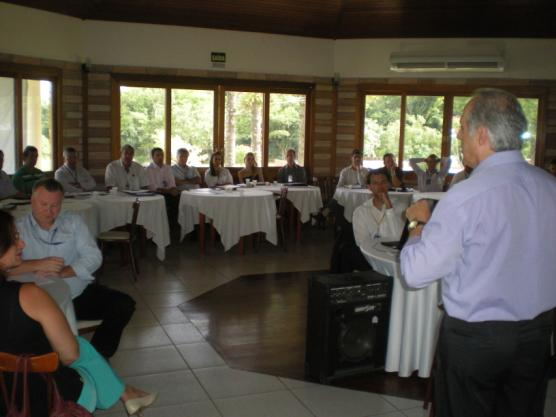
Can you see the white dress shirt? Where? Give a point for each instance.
(350, 176)
(117, 176)
(6, 186)
(372, 225)
(185, 173)
(68, 238)
(160, 177)
(225, 177)
(430, 181)
(66, 176)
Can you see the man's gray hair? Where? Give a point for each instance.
(127, 147)
(501, 114)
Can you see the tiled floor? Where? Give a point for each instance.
(161, 351)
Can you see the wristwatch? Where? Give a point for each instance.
(413, 224)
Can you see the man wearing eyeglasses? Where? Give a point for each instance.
(59, 245)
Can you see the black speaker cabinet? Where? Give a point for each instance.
(347, 324)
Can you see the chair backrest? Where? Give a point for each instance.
(135, 214)
(283, 203)
(40, 363)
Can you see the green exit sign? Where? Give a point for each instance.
(218, 57)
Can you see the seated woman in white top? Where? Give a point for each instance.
(251, 172)
(217, 174)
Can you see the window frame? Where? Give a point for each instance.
(37, 73)
(449, 92)
(219, 87)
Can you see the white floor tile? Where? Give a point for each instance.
(147, 361)
(416, 412)
(143, 337)
(172, 387)
(200, 355)
(402, 403)
(550, 407)
(272, 404)
(202, 409)
(169, 315)
(223, 382)
(170, 299)
(142, 318)
(326, 401)
(551, 388)
(183, 333)
(296, 383)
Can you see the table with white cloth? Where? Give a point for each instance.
(58, 290)
(83, 208)
(414, 316)
(351, 198)
(305, 199)
(116, 210)
(235, 213)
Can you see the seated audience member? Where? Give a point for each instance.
(217, 174)
(553, 167)
(74, 178)
(374, 221)
(161, 180)
(124, 173)
(7, 188)
(431, 180)
(251, 172)
(186, 177)
(392, 171)
(291, 172)
(59, 246)
(354, 174)
(462, 175)
(377, 220)
(34, 324)
(26, 176)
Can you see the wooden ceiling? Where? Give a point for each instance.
(333, 19)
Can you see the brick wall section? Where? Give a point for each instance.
(99, 129)
(324, 130)
(346, 125)
(550, 144)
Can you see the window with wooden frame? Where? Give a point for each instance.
(29, 115)
(419, 121)
(203, 115)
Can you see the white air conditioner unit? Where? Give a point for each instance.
(442, 63)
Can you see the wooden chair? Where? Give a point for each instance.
(125, 238)
(41, 363)
(281, 216)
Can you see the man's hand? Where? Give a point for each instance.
(419, 211)
(51, 265)
(386, 200)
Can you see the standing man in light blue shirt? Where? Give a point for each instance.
(492, 240)
(59, 245)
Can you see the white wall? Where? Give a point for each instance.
(525, 58)
(35, 33)
(29, 32)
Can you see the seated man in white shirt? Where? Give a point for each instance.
(74, 179)
(187, 177)
(431, 179)
(7, 188)
(124, 173)
(374, 221)
(161, 180)
(58, 245)
(377, 220)
(354, 174)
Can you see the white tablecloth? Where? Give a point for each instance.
(58, 290)
(86, 210)
(117, 210)
(306, 200)
(414, 317)
(234, 214)
(351, 198)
